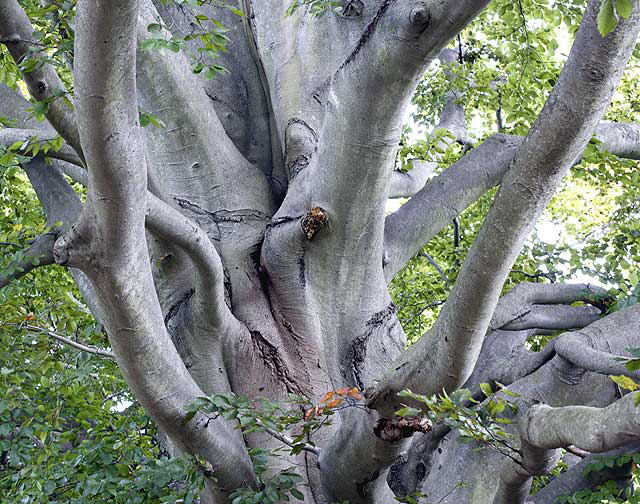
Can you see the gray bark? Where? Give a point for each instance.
(245, 248)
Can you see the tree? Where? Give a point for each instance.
(237, 246)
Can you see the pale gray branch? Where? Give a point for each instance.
(406, 184)
(43, 82)
(67, 341)
(9, 136)
(444, 198)
(39, 253)
(175, 227)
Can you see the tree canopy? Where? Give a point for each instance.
(486, 172)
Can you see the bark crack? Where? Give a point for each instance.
(357, 352)
(273, 360)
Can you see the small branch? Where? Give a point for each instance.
(28, 137)
(66, 341)
(40, 253)
(551, 276)
(437, 267)
(287, 440)
(577, 451)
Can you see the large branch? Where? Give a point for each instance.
(43, 81)
(109, 242)
(192, 155)
(446, 196)
(574, 479)
(576, 104)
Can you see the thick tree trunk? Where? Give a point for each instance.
(244, 247)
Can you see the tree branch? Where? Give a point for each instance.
(621, 139)
(595, 430)
(39, 253)
(444, 198)
(9, 136)
(577, 347)
(406, 184)
(574, 479)
(109, 242)
(543, 429)
(67, 341)
(580, 97)
(169, 223)
(193, 154)
(43, 81)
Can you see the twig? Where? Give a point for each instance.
(287, 440)
(574, 450)
(433, 263)
(67, 341)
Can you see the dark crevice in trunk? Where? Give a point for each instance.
(301, 270)
(366, 35)
(357, 352)
(273, 360)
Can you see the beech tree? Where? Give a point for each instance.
(233, 240)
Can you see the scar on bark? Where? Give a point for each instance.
(313, 221)
(356, 355)
(300, 146)
(397, 429)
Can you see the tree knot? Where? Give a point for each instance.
(420, 16)
(313, 221)
(397, 429)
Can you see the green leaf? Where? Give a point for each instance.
(624, 8)
(633, 365)
(625, 382)
(297, 494)
(607, 20)
(486, 389)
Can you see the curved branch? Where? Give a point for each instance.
(518, 302)
(577, 348)
(9, 136)
(576, 104)
(39, 253)
(210, 300)
(554, 317)
(406, 184)
(43, 81)
(109, 242)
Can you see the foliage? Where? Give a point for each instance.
(484, 422)
(69, 429)
(277, 419)
(316, 7)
